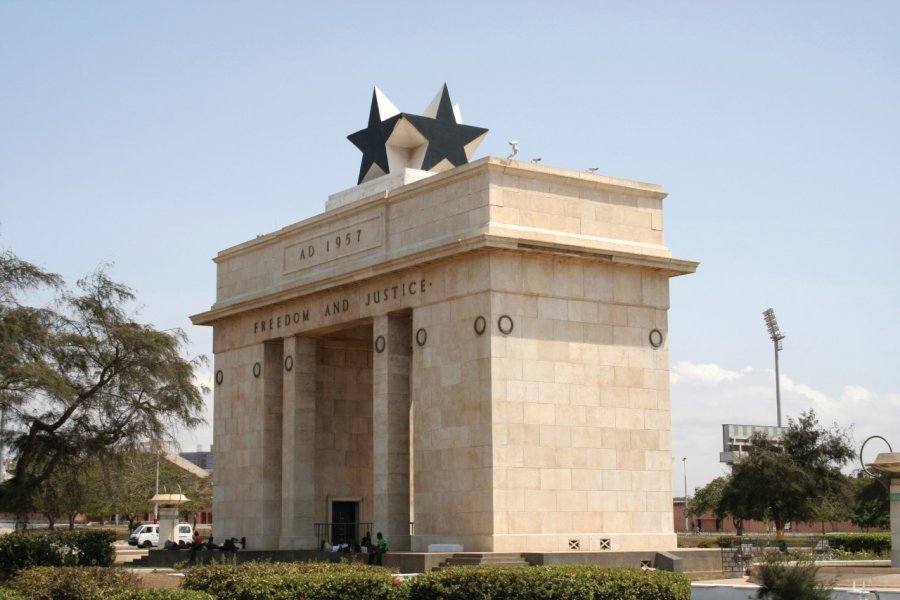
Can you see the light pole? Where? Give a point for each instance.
(156, 505)
(777, 336)
(2, 444)
(684, 466)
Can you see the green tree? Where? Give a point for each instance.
(17, 275)
(708, 499)
(80, 378)
(199, 493)
(61, 494)
(789, 479)
(79, 489)
(836, 505)
(131, 482)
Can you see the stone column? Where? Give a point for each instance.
(895, 523)
(298, 468)
(390, 428)
(269, 466)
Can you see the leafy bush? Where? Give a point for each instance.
(549, 582)
(223, 581)
(73, 583)
(8, 594)
(873, 543)
(55, 548)
(288, 581)
(21, 551)
(727, 541)
(162, 594)
(94, 547)
(794, 580)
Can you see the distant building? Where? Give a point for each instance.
(201, 458)
(736, 439)
(711, 524)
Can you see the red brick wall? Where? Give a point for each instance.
(708, 523)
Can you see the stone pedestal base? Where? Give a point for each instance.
(287, 542)
(895, 523)
(570, 542)
(168, 522)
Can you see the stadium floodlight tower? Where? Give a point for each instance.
(777, 336)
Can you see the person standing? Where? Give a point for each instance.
(381, 547)
(371, 549)
(196, 546)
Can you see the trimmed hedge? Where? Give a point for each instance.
(117, 594)
(324, 581)
(54, 548)
(289, 581)
(581, 582)
(73, 583)
(876, 543)
(162, 594)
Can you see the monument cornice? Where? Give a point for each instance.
(483, 243)
(539, 171)
(373, 245)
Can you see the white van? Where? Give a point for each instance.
(147, 535)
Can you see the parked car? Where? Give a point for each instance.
(147, 535)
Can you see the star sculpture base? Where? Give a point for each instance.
(379, 185)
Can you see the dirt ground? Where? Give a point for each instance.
(159, 579)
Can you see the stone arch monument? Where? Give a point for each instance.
(470, 353)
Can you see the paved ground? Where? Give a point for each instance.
(846, 575)
(159, 578)
(847, 579)
(889, 581)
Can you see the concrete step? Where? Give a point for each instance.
(128, 554)
(704, 575)
(487, 559)
(461, 562)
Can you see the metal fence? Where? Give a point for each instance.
(345, 533)
(740, 552)
(342, 533)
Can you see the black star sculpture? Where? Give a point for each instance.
(447, 138)
(373, 139)
(435, 141)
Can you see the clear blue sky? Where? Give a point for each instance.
(154, 134)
